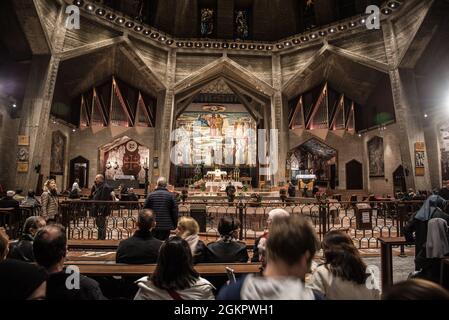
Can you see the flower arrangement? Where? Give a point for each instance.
(255, 200)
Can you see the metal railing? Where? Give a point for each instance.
(363, 221)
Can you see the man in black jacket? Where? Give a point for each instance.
(23, 248)
(101, 192)
(163, 204)
(142, 247)
(50, 249)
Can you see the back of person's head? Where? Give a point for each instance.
(342, 257)
(22, 281)
(32, 224)
(50, 245)
(416, 289)
(227, 226)
(174, 270)
(161, 182)
(19, 191)
(291, 238)
(31, 193)
(275, 213)
(188, 226)
(10, 193)
(146, 220)
(4, 244)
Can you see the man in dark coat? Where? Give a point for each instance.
(23, 248)
(142, 247)
(163, 204)
(50, 250)
(101, 192)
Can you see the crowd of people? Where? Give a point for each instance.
(33, 266)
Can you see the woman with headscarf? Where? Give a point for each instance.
(416, 229)
(437, 247)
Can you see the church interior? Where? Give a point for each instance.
(336, 111)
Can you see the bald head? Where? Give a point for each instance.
(50, 245)
(162, 182)
(99, 179)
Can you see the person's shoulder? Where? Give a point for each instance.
(231, 291)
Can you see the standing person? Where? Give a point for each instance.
(174, 277)
(343, 276)
(163, 204)
(291, 246)
(291, 189)
(416, 228)
(50, 201)
(101, 192)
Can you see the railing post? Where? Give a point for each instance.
(323, 218)
(241, 216)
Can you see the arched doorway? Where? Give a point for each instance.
(354, 175)
(399, 180)
(79, 169)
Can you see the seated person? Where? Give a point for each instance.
(9, 201)
(174, 277)
(290, 250)
(23, 248)
(31, 200)
(22, 281)
(4, 247)
(132, 196)
(19, 196)
(291, 189)
(343, 276)
(142, 247)
(188, 229)
(260, 244)
(227, 249)
(50, 250)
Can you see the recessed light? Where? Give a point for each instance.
(296, 41)
(147, 32)
(352, 24)
(189, 44)
(120, 20)
(224, 45)
(169, 42)
(216, 45)
(138, 28)
(304, 38)
(332, 30)
(180, 44)
(252, 47)
(287, 44)
(100, 12)
(129, 24)
(386, 11)
(313, 36)
(155, 35)
(162, 38)
(342, 27)
(198, 44)
(110, 16)
(269, 47)
(90, 7)
(78, 3)
(242, 46)
(260, 47)
(207, 45)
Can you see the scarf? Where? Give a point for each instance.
(437, 244)
(428, 208)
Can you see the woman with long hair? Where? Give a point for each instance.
(188, 229)
(343, 276)
(49, 201)
(227, 249)
(174, 277)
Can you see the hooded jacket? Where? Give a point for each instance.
(267, 288)
(201, 290)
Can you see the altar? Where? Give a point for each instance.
(221, 185)
(217, 174)
(306, 180)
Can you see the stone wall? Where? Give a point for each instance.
(8, 148)
(86, 143)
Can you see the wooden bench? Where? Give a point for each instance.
(93, 269)
(113, 244)
(386, 258)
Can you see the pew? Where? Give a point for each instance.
(95, 269)
(386, 258)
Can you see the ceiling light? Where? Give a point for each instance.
(78, 3)
(252, 47)
(110, 16)
(426, 115)
(100, 12)
(90, 7)
(169, 42)
(352, 24)
(287, 44)
(280, 46)
(147, 32)
(120, 20)
(313, 36)
(332, 30)
(138, 28)
(155, 35)
(180, 44)
(129, 24)
(162, 38)
(269, 47)
(260, 47)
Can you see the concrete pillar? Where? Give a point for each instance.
(408, 114)
(36, 114)
(279, 118)
(167, 117)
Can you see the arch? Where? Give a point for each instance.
(399, 183)
(354, 175)
(79, 168)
